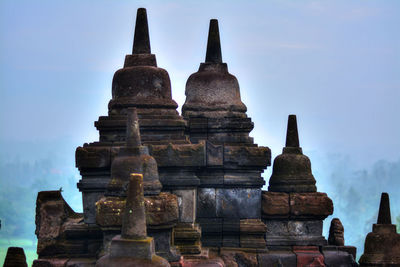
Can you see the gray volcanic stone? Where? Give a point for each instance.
(290, 232)
(238, 203)
(336, 256)
(206, 203)
(278, 256)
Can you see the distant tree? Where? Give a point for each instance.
(398, 224)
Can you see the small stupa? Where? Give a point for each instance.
(382, 245)
(133, 158)
(133, 247)
(292, 169)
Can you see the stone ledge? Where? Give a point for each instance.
(313, 205)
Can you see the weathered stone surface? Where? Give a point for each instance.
(316, 205)
(231, 232)
(160, 210)
(252, 232)
(15, 257)
(206, 203)
(81, 262)
(187, 238)
(187, 204)
(231, 203)
(215, 154)
(142, 248)
(275, 204)
(93, 157)
(292, 232)
(202, 263)
(54, 262)
(278, 256)
(156, 261)
(336, 233)
(247, 156)
(308, 256)
(162, 242)
(252, 226)
(179, 155)
(61, 231)
(337, 256)
(238, 258)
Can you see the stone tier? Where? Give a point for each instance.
(183, 166)
(157, 126)
(187, 238)
(295, 218)
(228, 130)
(252, 232)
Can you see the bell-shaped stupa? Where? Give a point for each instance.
(212, 91)
(292, 170)
(382, 245)
(140, 83)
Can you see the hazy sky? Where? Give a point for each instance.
(336, 64)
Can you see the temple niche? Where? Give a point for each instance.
(164, 189)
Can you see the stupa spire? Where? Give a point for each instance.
(132, 129)
(141, 41)
(384, 210)
(292, 135)
(213, 54)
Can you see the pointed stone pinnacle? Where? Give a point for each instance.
(292, 135)
(384, 210)
(141, 41)
(213, 54)
(132, 129)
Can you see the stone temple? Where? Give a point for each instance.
(164, 189)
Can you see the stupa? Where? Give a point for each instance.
(230, 184)
(382, 245)
(293, 211)
(133, 247)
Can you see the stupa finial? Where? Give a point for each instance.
(141, 41)
(213, 54)
(132, 129)
(292, 135)
(384, 210)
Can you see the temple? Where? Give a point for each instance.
(164, 189)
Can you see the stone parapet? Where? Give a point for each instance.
(313, 205)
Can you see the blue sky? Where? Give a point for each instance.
(336, 64)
